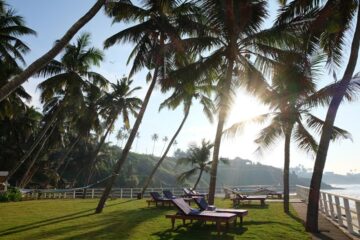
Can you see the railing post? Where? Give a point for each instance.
(74, 194)
(338, 211)
(325, 204)
(357, 205)
(348, 215)
(121, 193)
(131, 193)
(64, 194)
(321, 205)
(92, 193)
(332, 213)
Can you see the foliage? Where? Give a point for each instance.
(11, 195)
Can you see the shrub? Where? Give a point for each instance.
(11, 195)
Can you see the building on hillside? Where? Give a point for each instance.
(3, 181)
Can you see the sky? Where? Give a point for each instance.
(51, 19)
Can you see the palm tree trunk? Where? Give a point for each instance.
(27, 176)
(166, 152)
(37, 141)
(222, 118)
(198, 180)
(128, 144)
(32, 172)
(51, 54)
(286, 171)
(67, 153)
(96, 152)
(314, 194)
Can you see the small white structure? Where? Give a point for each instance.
(3, 181)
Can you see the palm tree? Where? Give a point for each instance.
(175, 143)
(119, 102)
(154, 137)
(165, 139)
(199, 159)
(47, 57)
(184, 93)
(12, 26)
(157, 24)
(291, 91)
(70, 88)
(329, 33)
(137, 140)
(232, 33)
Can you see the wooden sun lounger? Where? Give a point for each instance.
(168, 194)
(187, 213)
(269, 193)
(157, 199)
(192, 193)
(239, 198)
(203, 205)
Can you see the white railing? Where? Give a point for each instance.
(97, 192)
(130, 192)
(343, 210)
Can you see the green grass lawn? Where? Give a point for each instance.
(132, 219)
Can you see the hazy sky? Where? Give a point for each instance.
(50, 19)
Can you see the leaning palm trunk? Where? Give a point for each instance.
(219, 130)
(94, 155)
(31, 174)
(127, 147)
(37, 141)
(286, 171)
(314, 194)
(51, 54)
(165, 153)
(67, 153)
(27, 176)
(198, 179)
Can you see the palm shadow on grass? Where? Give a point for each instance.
(296, 218)
(251, 206)
(199, 231)
(56, 220)
(111, 225)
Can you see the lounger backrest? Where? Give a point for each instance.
(194, 192)
(187, 191)
(155, 195)
(182, 205)
(168, 194)
(240, 196)
(201, 202)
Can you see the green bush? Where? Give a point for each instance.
(11, 195)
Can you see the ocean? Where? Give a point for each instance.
(351, 190)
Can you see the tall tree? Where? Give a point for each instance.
(290, 98)
(157, 23)
(165, 139)
(12, 26)
(199, 159)
(155, 138)
(137, 140)
(47, 57)
(184, 93)
(69, 91)
(325, 24)
(231, 30)
(120, 101)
